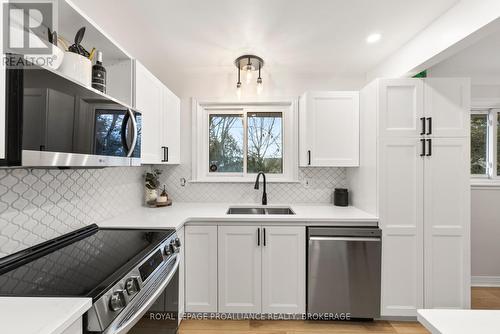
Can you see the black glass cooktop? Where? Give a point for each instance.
(84, 264)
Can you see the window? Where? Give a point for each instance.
(236, 143)
(485, 143)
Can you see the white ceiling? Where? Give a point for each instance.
(303, 36)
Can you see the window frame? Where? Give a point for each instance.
(201, 115)
(491, 149)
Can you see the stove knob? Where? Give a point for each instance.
(132, 286)
(173, 247)
(177, 242)
(117, 301)
(168, 250)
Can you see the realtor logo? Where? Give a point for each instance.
(26, 26)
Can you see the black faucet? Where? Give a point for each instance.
(264, 194)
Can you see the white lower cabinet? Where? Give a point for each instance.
(245, 269)
(283, 270)
(239, 269)
(200, 255)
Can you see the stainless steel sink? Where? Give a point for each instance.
(279, 211)
(246, 211)
(259, 211)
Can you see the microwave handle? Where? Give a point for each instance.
(134, 139)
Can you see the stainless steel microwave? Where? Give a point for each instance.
(52, 121)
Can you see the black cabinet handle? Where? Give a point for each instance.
(309, 158)
(429, 153)
(422, 119)
(165, 154)
(258, 236)
(422, 141)
(264, 230)
(429, 131)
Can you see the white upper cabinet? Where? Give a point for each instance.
(329, 129)
(284, 269)
(172, 130)
(401, 109)
(160, 110)
(447, 107)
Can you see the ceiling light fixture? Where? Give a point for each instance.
(249, 64)
(373, 38)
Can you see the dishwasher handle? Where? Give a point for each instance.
(368, 239)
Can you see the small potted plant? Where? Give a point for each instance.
(152, 182)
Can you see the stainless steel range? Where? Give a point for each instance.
(130, 274)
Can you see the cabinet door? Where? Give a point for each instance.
(401, 220)
(447, 224)
(149, 100)
(329, 129)
(283, 269)
(401, 107)
(200, 256)
(171, 125)
(447, 104)
(239, 269)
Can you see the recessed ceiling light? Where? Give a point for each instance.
(373, 38)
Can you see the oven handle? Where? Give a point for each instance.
(134, 126)
(345, 239)
(124, 328)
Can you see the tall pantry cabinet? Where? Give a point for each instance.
(414, 174)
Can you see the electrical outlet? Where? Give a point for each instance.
(306, 183)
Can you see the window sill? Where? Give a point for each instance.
(241, 180)
(484, 183)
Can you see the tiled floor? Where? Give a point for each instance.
(482, 298)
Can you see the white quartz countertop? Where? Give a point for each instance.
(460, 321)
(180, 213)
(44, 315)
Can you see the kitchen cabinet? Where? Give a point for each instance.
(329, 129)
(262, 269)
(240, 264)
(283, 270)
(200, 264)
(436, 107)
(401, 219)
(422, 194)
(447, 224)
(245, 269)
(160, 110)
(447, 104)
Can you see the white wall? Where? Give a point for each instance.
(481, 63)
(485, 236)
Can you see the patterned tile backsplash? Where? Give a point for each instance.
(40, 204)
(315, 186)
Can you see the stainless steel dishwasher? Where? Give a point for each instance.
(343, 274)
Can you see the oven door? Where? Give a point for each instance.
(163, 316)
(156, 310)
